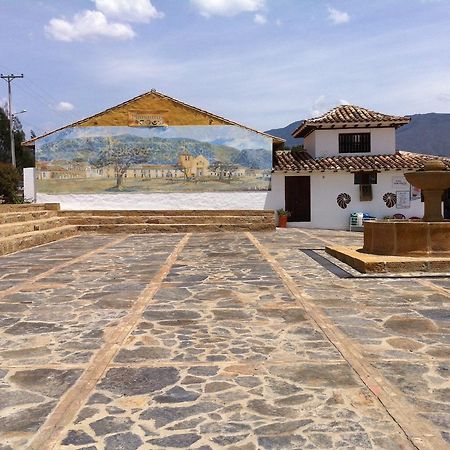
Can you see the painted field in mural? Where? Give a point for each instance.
(157, 159)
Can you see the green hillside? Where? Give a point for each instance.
(162, 151)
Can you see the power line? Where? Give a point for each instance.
(9, 79)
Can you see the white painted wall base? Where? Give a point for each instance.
(172, 201)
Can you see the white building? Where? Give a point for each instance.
(349, 165)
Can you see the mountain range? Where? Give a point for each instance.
(426, 133)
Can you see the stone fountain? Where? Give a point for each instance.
(427, 237)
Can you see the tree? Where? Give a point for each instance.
(121, 156)
(9, 183)
(24, 157)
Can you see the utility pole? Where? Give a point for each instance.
(9, 79)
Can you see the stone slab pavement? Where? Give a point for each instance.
(218, 341)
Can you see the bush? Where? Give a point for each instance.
(9, 183)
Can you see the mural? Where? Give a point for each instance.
(154, 159)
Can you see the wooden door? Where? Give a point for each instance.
(297, 192)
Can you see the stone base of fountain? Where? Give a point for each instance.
(407, 238)
(371, 263)
(407, 245)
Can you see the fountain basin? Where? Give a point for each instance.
(407, 238)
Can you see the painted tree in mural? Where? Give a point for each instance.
(224, 170)
(121, 157)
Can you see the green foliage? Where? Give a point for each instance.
(24, 158)
(282, 212)
(9, 184)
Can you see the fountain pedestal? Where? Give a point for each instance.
(432, 208)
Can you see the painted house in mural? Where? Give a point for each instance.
(157, 146)
(349, 164)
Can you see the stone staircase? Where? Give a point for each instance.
(28, 225)
(25, 226)
(141, 222)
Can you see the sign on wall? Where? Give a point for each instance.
(403, 199)
(400, 182)
(153, 159)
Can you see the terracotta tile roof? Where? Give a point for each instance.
(348, 114)
(297, 161)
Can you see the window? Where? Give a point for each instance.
(354, 143)
(365, 178)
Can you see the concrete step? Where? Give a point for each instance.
(10, 229)
(15, 217)
(176, 228)
(165, 220)
(168, 213)
(22, 241)
(29, 207)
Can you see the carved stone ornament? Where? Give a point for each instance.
(146, 120)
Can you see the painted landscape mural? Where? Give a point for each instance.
(155, 159)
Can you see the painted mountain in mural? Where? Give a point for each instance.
(254, 158)
(161, 150)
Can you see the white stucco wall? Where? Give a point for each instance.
(169, 201)
(326, 142)
(29, 184)
(326, 186)
(309, 144)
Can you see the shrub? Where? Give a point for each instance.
(9, 183)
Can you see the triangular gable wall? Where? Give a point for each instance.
(173, 112)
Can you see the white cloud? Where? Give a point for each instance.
(278, 22)
(64, 106)
(260, 19)
(338, 17)
(323, 104)
(319, 106)
(128, 10)
(228, 8)
(87, 25)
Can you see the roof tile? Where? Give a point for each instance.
(296, 161)
(348, 114)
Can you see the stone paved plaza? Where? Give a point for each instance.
(218, 341)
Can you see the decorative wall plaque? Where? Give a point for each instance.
(390, 199)
(343, 200)
(138, 119)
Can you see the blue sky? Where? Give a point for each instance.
(263, 63)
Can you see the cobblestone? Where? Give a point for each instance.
(224, 352)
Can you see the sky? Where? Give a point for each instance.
(262, 63)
